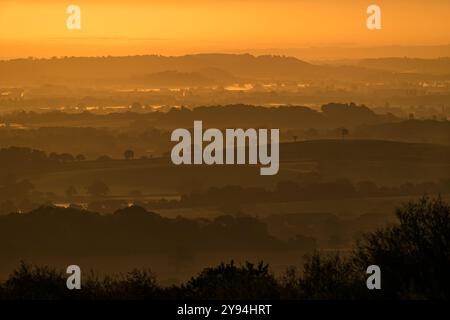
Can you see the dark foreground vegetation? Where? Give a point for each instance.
(413, 254)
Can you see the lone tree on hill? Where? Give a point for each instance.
(128, 154)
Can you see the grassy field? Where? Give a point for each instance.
(383, 162)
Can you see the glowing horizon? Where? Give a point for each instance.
(178, 27)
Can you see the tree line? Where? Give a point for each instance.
(413, 255)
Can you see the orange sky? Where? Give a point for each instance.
(37, 28)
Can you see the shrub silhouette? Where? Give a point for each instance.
(329, 277)
(97, 189)
(33, 282)
(414, 257)
(128, 154)
(228, 281)
(134, 285)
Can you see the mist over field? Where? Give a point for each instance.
(93, 135)
(360, 118)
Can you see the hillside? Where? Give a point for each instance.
(220, 67)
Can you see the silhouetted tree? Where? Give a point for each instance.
(324, 277)
(29, 282)
(104, 158)
(414, 255)
(66, 157)
(80, 157)
(63, 157)
(98, 189)
(136, 106)
(228, 281)
(128, 154)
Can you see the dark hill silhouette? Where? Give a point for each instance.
(96, 68)
(333, 115)
(413, 255)
(133, 230)
(109, 70)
